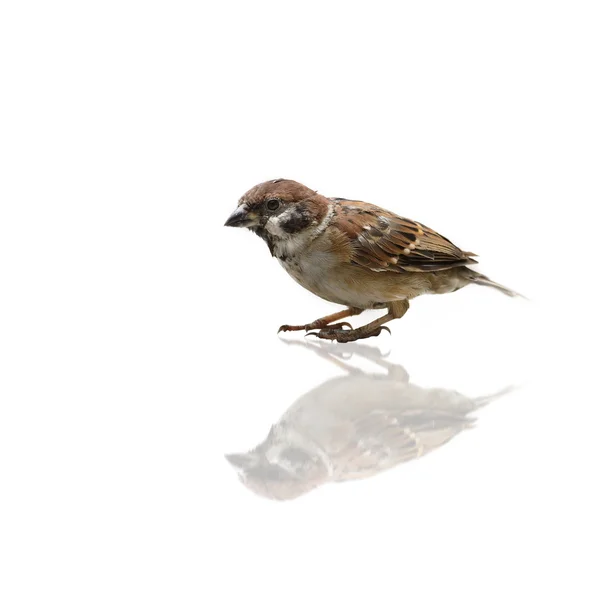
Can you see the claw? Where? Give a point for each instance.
(289, 328)
(376, 332)
(327, 333)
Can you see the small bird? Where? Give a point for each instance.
(353, 253)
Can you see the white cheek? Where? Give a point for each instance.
(274, 228)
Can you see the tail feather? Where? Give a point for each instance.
(480, 279)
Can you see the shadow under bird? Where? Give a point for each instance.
(353, 253)
(353, 427)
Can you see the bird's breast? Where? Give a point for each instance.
(307, 270)
(311, 270)
(321, 274)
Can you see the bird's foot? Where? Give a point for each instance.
(342, 336)
(314, 325)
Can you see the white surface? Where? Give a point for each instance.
(138, 335)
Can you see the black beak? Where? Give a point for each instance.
(239, 218)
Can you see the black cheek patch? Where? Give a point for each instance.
(294, 220)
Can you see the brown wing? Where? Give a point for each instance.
(383, 241)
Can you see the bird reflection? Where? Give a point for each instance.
(353, 426)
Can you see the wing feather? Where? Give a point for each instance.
(383, 241)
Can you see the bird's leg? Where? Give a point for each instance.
(372, 329)
(324, 322)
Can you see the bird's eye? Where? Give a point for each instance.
(273, 204)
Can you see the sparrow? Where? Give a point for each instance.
(353, 426)
(353, 253)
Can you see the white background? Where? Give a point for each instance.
(138, 336)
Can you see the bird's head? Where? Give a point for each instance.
(278, 210)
